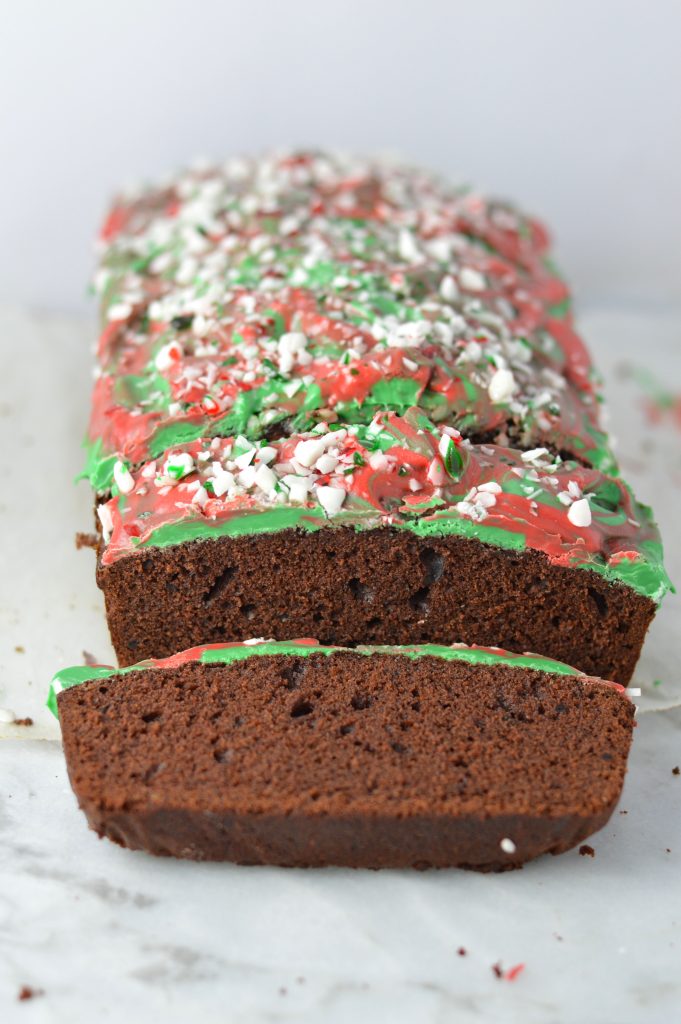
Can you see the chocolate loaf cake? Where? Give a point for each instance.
(344, 399)
(300, 754)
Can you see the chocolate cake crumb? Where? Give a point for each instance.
(28, 992)
(86, 540)
(461, 951)
(676, 770)
(23, 721)
(586, 850)
(497, 970)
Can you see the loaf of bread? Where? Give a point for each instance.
(343, 399)
(300, 754)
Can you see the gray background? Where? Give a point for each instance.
(571, 108)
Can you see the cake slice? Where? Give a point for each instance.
(293, 753)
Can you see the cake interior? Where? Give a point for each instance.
(381, 586)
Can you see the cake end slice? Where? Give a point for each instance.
(301, 755)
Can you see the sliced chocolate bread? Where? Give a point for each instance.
(303, 755)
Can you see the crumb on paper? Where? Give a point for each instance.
(20, 649)
(587, 851)
(89, 659)
(510, 975)
(23, 721)
(676, 770)
(85, 540)
(28, 992)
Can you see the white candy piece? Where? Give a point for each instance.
(307, 452)
(485, 499)
(378, 461)
(291, 345)
(222, 480)
(265, 478)
(326, 463)
(448, 288)
(502, 386)
(246, 477)
(123, 477)
(177, 466)
(245, 459)
(106, 520)
(200, 497)
(472, 280)
(508, 846)
(331, 499)
(298, 487)
(444, 444)
(167, 356)
(119, 311)
(407, 247)
(7, 715)
(579, 513)
(266, 454)
(535, 453)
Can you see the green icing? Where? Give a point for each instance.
(98, 468)
(175, 434)
(69, 677)
(150, 389)
(395, 392)
(250, 523)
(647, 574)
(445, 524)
(471, 655)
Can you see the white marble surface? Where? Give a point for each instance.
(112, 935)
